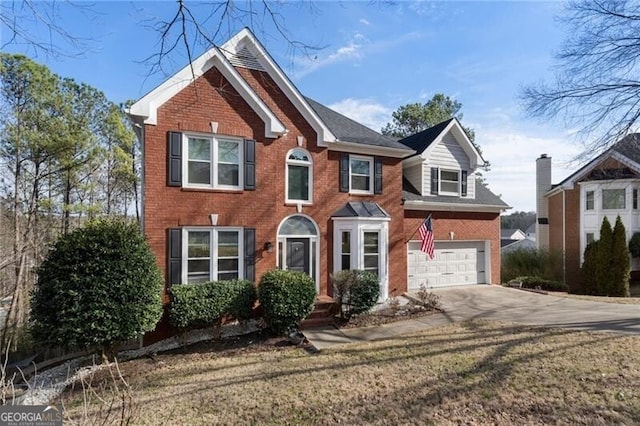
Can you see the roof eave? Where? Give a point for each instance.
(358, 148)
(437, 206)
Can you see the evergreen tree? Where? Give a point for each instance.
(620, 269)
(604, 257)
(588, 270)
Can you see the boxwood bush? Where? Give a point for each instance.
(207, 303)
(99, 285)
(287, 297)
(542, 284)
(355, 291)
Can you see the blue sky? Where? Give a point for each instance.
(376, 57)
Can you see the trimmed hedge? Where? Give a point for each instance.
(287, 298)
(98, 286)
(207, 303)
(355, 291)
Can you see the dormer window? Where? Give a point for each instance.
(449, 182)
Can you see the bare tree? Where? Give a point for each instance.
(597, 81)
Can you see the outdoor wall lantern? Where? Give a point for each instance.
(268, 247)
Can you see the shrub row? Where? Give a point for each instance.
(532, 263)
(355, 291)
(207, 303)
(542, 284)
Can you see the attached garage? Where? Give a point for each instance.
(454, 263)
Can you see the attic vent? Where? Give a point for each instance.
(244, 58)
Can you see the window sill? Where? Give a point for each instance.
(362, 193)
(218, 190)
(295, 203)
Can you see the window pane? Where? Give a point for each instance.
(370, 262)
(635, 199)
(589, 237)
(297, 225)
(589, 200)
(227, 265)
(346, 262)
(346, 242)
(199, 172)
(226, 276)
(371, 238)
(197, 278)
(298, 155)
(449, 186)
(198, 244)
(449, 175)
(199, 149)
(197, 267)
(298, 183)
(228, 152)
(228, 244)
(360, 183)
(613, 199)
(360, 167)
(228, 174)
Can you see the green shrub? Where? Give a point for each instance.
(603, 258)
(634, 245)
(355, 291)
(207, 303)
(287, 298)
(99, 285)
(542, 284)
(532, 263)
(588, 271)
(620, 267)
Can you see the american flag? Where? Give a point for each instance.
(426, 235)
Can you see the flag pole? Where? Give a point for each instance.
(414, 232)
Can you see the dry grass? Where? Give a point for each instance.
(472, 373)
(620, 300)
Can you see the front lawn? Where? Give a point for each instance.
(471, 373)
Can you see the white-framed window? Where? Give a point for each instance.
(589, 237)
(449, 182)
(589, 200)
(371, 252)
(345, 250)
(634, 199)
(613, 199)
(212, 254)
(212, 161)
(360, 175)
(299, 177)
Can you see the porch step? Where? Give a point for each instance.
(323, 313)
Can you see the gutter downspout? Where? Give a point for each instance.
(564, 236)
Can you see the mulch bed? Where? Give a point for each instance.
(386, 315)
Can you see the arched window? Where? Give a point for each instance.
(298, 246)
(299, 178)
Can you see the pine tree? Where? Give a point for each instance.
(603, 262)
(620, 267)
(588, 270)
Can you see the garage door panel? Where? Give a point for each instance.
(454, 263)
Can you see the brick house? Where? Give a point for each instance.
(243, 174)
(570, 213)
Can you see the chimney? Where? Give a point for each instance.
(543, 185)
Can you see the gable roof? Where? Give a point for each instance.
(423, 141)
(626, 151)
(348, 130)
(485, 200)
(146, 108)
(361, 209)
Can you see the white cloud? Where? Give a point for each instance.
(365, 111)
(353, 50)
(365, 22)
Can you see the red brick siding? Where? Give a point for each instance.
(211, 98)
(466, 226)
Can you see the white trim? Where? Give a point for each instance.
(357, 227)
(213, 249)
(370, 160)
(357, 148)
(309, 165)
(147, 106)
(213, 171)
(459, 173)
(282, 240)
(245, 38)
(435, 206)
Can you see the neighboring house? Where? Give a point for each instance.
(512, 234)
(243, 174)
(531, 231)
(509, 245)
(571, 212)
(440, 179)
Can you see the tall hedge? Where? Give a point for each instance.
(588, 274)
(207, 303)
(99, 285)
(620, 267)
(287, 298)
(603, 259)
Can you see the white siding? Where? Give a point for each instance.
(448, 154)
(414, 175)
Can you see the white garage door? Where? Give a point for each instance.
(455, 263)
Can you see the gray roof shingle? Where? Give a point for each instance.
(420, 141)
(360, 209)
(484, 196)
(348, 130)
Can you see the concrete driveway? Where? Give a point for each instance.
(511, 305)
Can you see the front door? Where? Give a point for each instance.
(298, 258)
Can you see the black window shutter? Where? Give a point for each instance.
(434, 180)
(344, 173)
(250, 164)
(463, 183)
(250, 254)
(377, 171)
(174, 164)
(174, 257)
